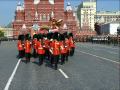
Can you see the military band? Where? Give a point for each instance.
(54, 46)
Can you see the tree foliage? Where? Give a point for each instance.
(1, 34)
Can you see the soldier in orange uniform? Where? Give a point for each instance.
(72, 44)
(50, 37)
(66, 46)
(35, 45)
(27, 47)
(55, 49)
(62, 48)
(40, 49)
(46, 43)
(20, 46)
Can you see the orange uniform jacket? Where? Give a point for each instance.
(20, 46)
(56, 47)
(27, 46)
(62, 48)
(46, 43)
(35, 43)
(67, 45)
(40, 48)
(71, 42)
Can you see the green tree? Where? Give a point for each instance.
(1, 34)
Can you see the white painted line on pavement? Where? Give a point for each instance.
(63, 73)
(12, 75)
(100, 57)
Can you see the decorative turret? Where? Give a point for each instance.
(23, 6)
(19, 7)
(69, 7)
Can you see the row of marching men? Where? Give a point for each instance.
(54, 47)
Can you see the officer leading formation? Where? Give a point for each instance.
(52, 47)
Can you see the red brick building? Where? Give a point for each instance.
(38, 12)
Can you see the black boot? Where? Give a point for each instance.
(56, 67)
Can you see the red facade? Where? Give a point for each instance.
(31, 14)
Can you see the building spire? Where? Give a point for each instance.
(36, 15)
(19, 6)
(69, 7)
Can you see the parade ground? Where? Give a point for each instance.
(93, 67)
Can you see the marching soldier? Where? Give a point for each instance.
(55, 50)
(72, 44)
(35, 45)
(40, 49)
(66, 46)
(62, 48)
(20, 46)
(50, 37)
(27, 48)
(46, 43)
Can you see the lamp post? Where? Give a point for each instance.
(118, 36)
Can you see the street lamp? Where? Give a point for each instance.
(118, 36)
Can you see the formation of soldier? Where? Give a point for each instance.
(53, 46)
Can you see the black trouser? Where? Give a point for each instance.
(34, 53)
(56, 60)
(21, 54)
(47, 55)
(27, 56)
(51, 59)
(66, 55)
(41, 58)
(62, 58)
(72, 51)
